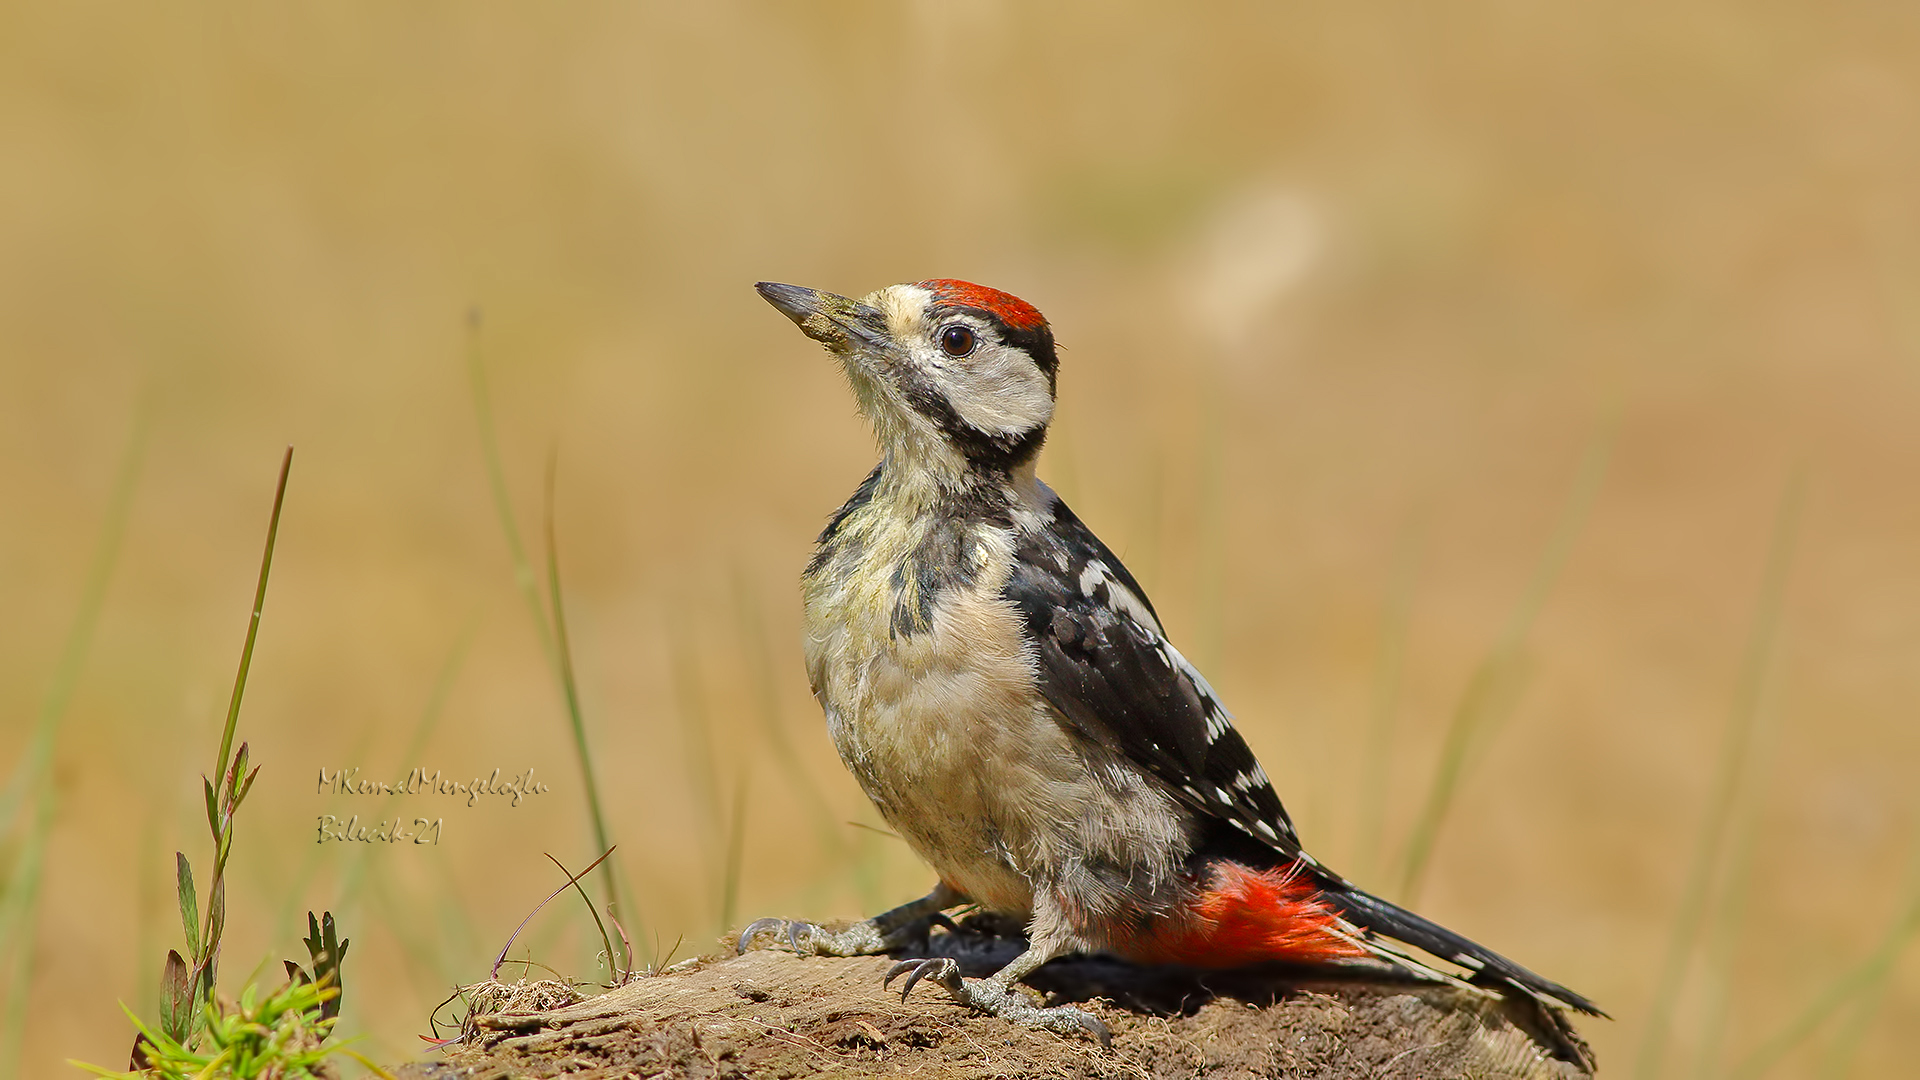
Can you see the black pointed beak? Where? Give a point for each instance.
(829, 318)
(796, 302)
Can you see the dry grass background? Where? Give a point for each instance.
(1452, 249)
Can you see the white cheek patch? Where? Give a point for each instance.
(999, 390)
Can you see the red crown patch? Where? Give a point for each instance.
(1008, 308)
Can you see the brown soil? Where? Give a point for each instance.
(771, 1014)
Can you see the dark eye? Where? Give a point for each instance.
(957, 340)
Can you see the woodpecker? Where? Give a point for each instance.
(1003, 691)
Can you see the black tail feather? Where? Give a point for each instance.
(1378, 916)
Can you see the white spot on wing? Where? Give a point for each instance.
(1121, 599)
(1094, 573)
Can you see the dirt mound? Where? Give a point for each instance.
(770, 1014)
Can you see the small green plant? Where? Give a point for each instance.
(199, 1035)
(278, 1037)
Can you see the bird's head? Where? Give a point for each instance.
(956, 378)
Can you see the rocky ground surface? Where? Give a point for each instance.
(773, 1014)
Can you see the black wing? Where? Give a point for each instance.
(1107, 666)
(1109, 669)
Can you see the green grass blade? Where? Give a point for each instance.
(1722, 936)
(696, 723)
(1728, 779)
(1846, 1042)
(759, 662)
(31, 787)
(1494, 688)
(1849, 985)
(253, 621)
(1210, 586)
(576, 720)
(73, 654)
(1376, 762)
(1736, 889)
(523, 575)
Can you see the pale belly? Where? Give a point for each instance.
(956, 751)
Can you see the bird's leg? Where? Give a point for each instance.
(884, 932)
(996, 995)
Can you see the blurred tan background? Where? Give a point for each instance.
(1363, 306)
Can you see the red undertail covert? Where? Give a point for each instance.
(1245, 916)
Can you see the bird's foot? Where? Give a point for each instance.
(995, 999)
(863, 938)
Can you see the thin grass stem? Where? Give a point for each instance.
(253, 621)
(696, 722)
(1376, 762)
(494, 972)
(1846, 1042)
(32, 779)
(1730, 774)
(606, 940)
(1851, 984)
(558, 658)
(1735, 891)
(1210, 568)
(523, 575)
(753, 637)
(575, 718)
(1494, 688)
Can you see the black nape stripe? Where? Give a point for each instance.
(1000, 453)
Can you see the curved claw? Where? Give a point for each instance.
(794, 928)
(899, 969)
(793, 936)
(943, 970)
(1096, 1029)
(940, 968)
(753, 930)
(939, 918)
